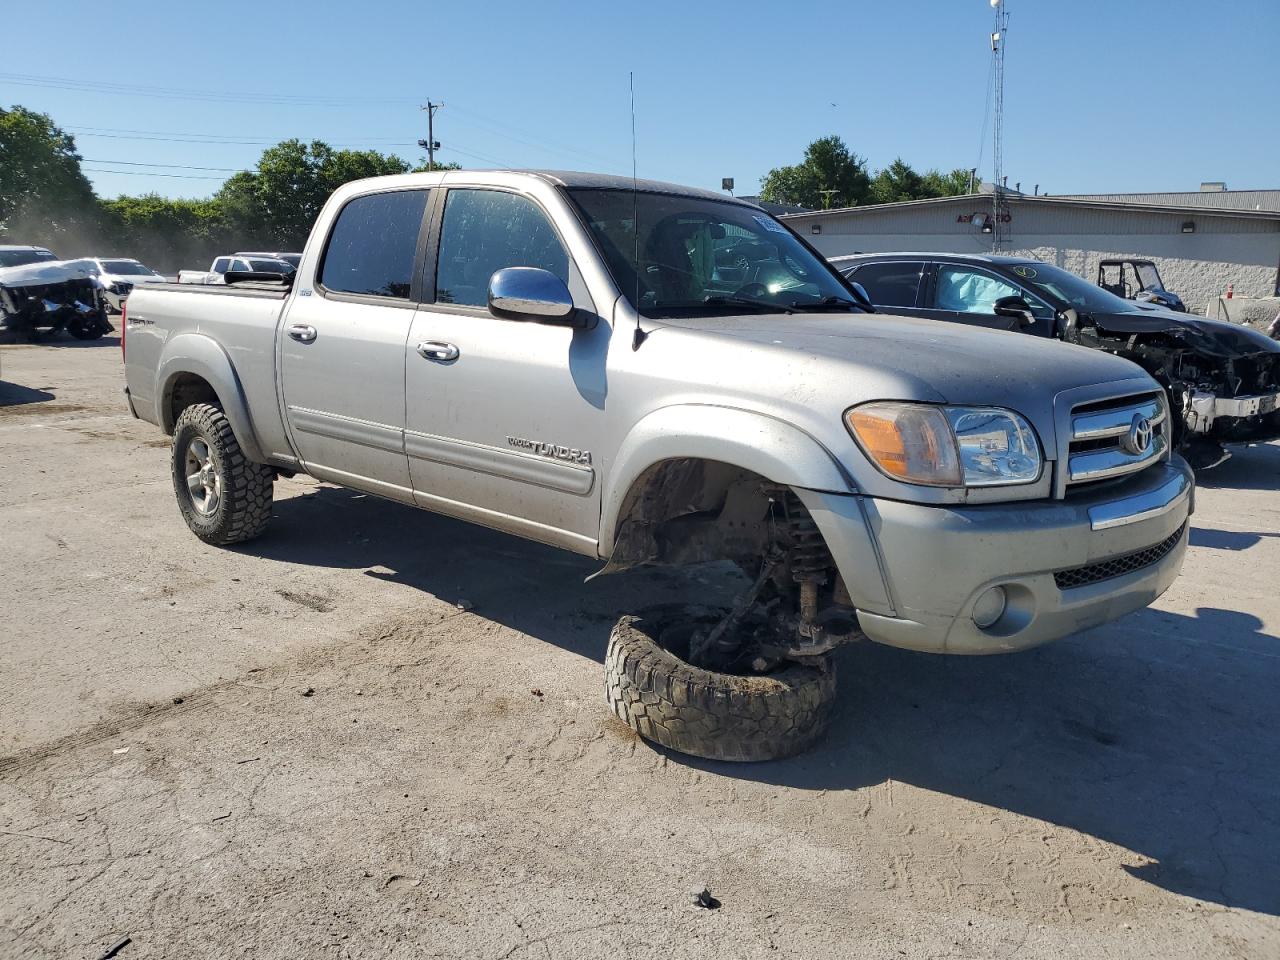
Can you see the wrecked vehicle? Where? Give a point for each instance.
(509, 349)
(1222, 379)
(40, 295)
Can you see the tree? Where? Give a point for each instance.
(45, 198)
(830, 175)
(168, 235)
(953, 184)
(897, 182)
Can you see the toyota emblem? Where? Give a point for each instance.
(1138, 440)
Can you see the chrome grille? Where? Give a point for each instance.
(1102, 436)
(1118, 566)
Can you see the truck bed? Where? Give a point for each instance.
(208, 323)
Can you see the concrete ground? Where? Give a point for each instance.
(379, 733)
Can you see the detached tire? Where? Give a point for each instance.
(718, 716)
(94, 328)
(223, 496)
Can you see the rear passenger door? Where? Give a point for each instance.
(342, 345)
(966, 293)
(893, 285)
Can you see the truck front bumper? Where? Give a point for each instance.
(1062, 565)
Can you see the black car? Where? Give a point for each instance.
(1222, 379)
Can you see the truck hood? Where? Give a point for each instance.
(1212, 338)
(845, 359)
(46, 271)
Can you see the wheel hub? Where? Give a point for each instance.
(203, 482)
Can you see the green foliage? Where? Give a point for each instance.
(831, 175)
(44, 196)
(167, 235)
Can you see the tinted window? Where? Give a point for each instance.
(970, 291)
(890, 284)
(125, 268)
(20, 258)
(221, 264)
(372, 246)
(485, 231)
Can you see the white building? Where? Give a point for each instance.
(1199, 247)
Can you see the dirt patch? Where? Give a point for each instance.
(40, 409)
(312, 601)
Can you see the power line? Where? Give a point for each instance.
(143, 173)
(179, 93)
(175, 166)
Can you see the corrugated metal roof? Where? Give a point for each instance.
(1220, 199)
(1050, 201)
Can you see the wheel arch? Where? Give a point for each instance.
(748, 441)
(195, 369)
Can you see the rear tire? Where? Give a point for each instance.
(718, 716)
(223, 496)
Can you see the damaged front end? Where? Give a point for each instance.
(50, 297)
(1223, 379)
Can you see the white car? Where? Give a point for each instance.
(118, 276)
(217, 272)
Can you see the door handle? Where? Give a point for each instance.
(302, 332)
(438, 350)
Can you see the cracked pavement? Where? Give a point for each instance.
(165, 775)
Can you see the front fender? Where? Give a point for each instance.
(194, 353)
(762, 444)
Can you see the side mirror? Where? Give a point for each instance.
(1069, 325)
(529, 293)
(1015, 307)
(861, 292)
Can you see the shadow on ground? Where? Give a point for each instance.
(15, 394)
(1159, 733)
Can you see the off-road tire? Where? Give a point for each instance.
(718, 716)
(244, 506)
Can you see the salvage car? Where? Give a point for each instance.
(40, 295)
(118, 276)
(644, 373)
(1222, 379)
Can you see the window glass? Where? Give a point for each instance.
(969, 291)
(890, 284)
(372, 247)
(677, 255)
(221, 265)
(485, 231)
(125, 268)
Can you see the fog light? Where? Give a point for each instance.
(989, 608)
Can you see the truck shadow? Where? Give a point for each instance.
(1250, 468)
(1158, 733)
(15, 394)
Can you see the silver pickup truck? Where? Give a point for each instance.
(650, 374)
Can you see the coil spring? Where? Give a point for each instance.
(810, 558)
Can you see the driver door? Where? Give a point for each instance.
(963, 293)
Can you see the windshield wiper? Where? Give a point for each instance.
(829, 303)
(771, 306)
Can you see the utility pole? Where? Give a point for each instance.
(999, 201)
(431, 144)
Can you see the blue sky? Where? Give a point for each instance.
(1126, 95)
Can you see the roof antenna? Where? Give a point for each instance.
(639, 336)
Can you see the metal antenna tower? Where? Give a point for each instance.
(999, 202)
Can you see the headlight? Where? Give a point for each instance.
(947, 446)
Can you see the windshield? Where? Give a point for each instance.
(125, 268)
(704, 256)
(1069, 290)
(1148, 276)
(20, 258)
(293, 259)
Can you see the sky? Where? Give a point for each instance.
(1122, 96)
